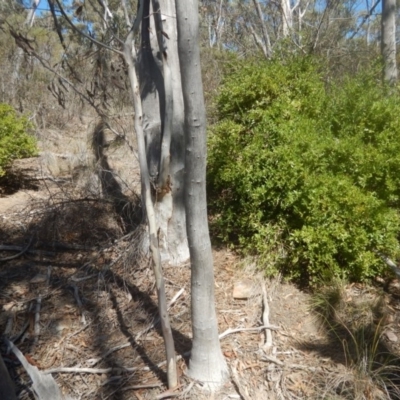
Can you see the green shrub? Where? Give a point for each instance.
(15, 142)
(303, 177)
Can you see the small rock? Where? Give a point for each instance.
(243, 289)
(391, 336)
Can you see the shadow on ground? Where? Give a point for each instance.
(85, 263)
(355, 327)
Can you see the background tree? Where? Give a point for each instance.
(389, 41)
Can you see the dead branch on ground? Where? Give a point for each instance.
(229, 331)
(265, 317)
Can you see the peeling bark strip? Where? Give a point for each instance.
(207, 363)
(164, 163)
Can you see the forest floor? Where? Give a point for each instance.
(80, 302)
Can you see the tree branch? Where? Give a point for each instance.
(64, 14)
(371, 10)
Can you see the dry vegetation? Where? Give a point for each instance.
(97, 329)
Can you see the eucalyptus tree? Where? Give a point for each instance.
(213, 17)
(331, 29)
(159, 71)
(207, 363)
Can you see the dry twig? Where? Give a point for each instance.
(157, 320)
(23, 251)
(79, 302)
(95, 361)
(176, 297)
(229, 331)
(235, 378)
(169, 393)
(36, 331)
(265, 317)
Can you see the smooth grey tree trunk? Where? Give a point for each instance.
(388, 41)
(163, 120)
(207, 363)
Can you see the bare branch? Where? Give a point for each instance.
(73, 26)
(368, 15)
(23, 251)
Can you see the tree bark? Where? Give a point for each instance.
(388, 41)
(163, 118)
(207, 363)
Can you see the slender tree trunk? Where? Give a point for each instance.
(207, 363)
(266, 44)
(388, 43)
(287, 17)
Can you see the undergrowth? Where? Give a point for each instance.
(305, 175)
(15, 142)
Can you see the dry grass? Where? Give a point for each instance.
(355, 320)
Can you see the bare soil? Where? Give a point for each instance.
(98, 305)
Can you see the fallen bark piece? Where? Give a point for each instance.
(44, 385)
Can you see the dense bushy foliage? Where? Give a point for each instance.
(15, 142)
(306, 175)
